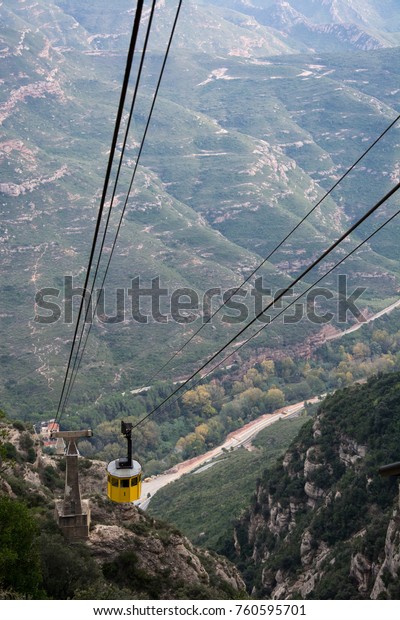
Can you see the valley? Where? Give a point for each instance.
(241, 437)
(270, 123)
(274, 128)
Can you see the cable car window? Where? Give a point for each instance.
(125, 483)
(114, 482)
(133, 482)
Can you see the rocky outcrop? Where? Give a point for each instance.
(12, 189)
(389, 570)
(349, 34)
(165, 563)
(162, 552)
(361, 571)
(350, 451)
(40, 89)
(323, 516)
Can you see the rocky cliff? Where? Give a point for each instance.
(128, 554)
(323, 524)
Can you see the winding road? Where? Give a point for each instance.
(242, 436)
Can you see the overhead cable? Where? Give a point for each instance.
(132, 46)
(89, 305)
(280, 295)
(72, 382)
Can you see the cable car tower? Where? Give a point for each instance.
(73, 513)
(124, 478)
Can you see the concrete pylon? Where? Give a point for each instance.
(73, 513)
(72, 496)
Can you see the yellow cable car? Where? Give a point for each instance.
(124, 477)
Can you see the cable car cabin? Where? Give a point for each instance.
(124, 477)
(124, 484)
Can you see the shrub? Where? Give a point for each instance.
(51, 478)
(66, 568)
(125, 572)
(19, 556)
(19, 426)
(26, 441)
(9, 451)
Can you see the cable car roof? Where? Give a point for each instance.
(123, 472)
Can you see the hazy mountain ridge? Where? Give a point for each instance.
(357, 25)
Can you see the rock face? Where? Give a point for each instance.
(390, 568)
(160, 551)
(159, 561)
(323, 516)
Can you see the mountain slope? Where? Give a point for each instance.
(331, 25)
(201, 27)
(239, 149)
(128, 555)
(323, 524)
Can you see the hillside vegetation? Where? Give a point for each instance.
(255, 120)
(128, 555)
(323, 524)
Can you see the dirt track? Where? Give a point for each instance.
(241, 436)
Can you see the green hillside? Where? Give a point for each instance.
(326, 521)
(240, 147)
(223, 489)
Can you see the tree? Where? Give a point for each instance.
(275, 399)
(202, 430)
(361, 350)
(215, 431)
(191, 445)
(268, 368)
(198, 401)
(238, 387)
(231, 412)
(288, 368)
(66, 568)
(253, 377)
(19, 555)
(383, 338)
(86, 448)
(216, 392)
(317, 386)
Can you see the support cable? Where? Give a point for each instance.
(88, 306)
(281, 294)
(132, 46)
(72, 381)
